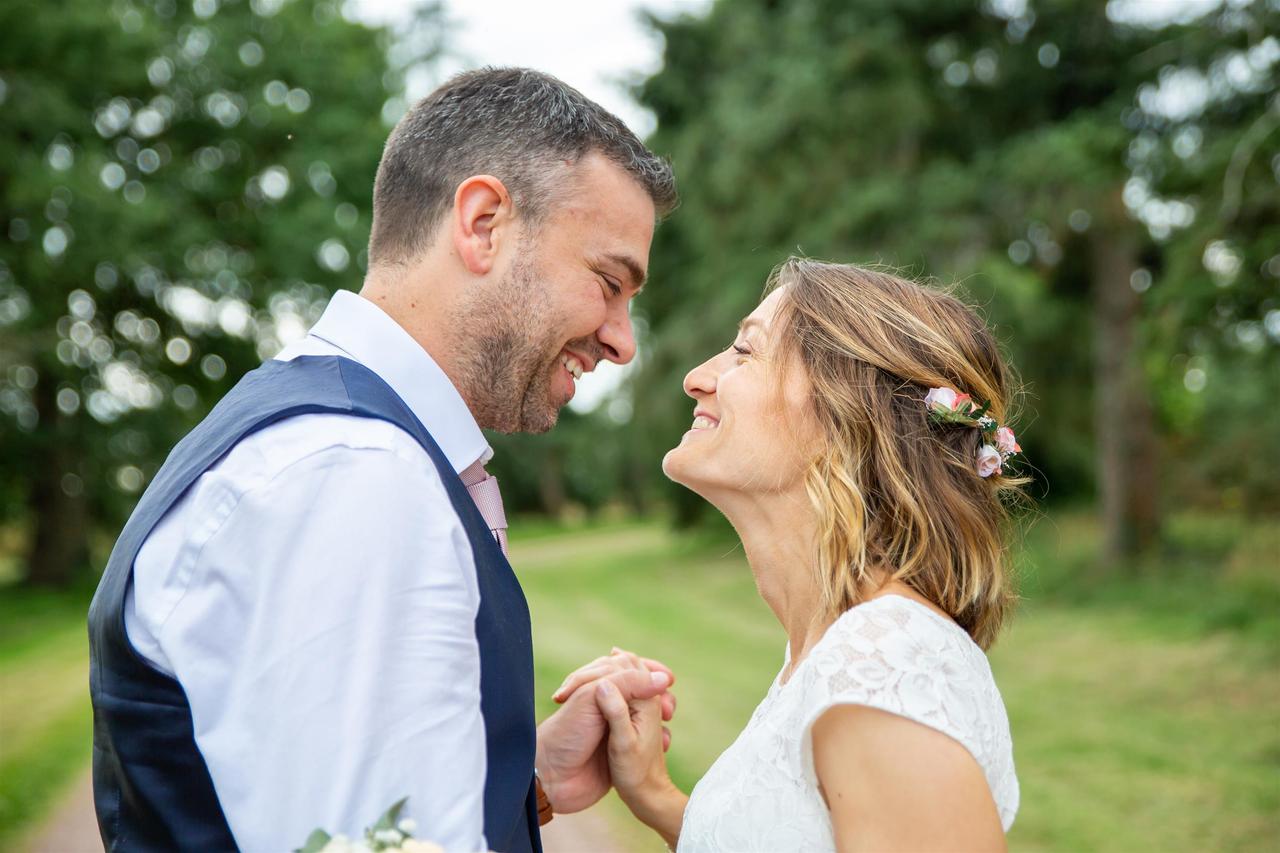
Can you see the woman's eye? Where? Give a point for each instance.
(740, 350)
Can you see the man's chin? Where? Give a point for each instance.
(541, 424)
(541, 407)
(540, 416)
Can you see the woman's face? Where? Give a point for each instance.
(753, 428)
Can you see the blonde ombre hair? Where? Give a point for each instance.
(898, 496)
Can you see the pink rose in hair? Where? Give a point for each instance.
(988, 461)
(1006, 442)
(963, 403)
(941, 399)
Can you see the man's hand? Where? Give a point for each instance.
(572, 758)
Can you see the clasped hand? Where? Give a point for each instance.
(608, 731)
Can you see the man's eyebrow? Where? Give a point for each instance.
(633, 268)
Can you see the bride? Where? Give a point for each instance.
(852, 434)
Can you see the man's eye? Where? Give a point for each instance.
(614, 287)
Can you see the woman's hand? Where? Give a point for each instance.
(608, 665)
(572, 757)
(634, 743)
(636, 762)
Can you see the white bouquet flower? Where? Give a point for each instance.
(391, 833)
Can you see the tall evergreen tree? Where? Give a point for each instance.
(182, 186)
(990, 143)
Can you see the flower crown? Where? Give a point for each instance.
(947, 406)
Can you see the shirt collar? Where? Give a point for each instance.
(364, 331)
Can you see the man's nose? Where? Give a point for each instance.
(617, 337)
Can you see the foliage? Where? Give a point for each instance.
(584, 463)
(185, 184)
(182, 190)
(996, 145)
(389, 832)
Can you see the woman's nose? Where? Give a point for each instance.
(701, 380)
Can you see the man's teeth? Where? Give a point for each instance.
(572, 365)
(703, 422)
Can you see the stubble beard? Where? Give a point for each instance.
(507, 360)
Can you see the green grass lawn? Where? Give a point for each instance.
(46, 725)
(1144, 709)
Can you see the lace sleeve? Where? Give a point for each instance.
(905, 660)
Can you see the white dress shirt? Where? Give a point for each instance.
(315, 594)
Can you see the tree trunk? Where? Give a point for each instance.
(59, 546)
(633, 488)
(1128, 476)
(551, 493)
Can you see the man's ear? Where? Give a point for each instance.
(482, 218)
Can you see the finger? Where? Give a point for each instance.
(583, 676)
(651, 664)
(666, 738)
(637, 684)
(658, 666)
(646, 711)
(599, 668)
(626, 658)
(604, 660)
(613, 706)
(600, 661)
(668, 706)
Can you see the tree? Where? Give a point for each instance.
(990, 143)
(183, 187)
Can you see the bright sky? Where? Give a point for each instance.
(598, 47)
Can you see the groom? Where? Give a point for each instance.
(310, 613)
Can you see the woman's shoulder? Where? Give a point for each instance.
(892, 626)
(898, 655)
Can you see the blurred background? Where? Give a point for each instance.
(184, 184)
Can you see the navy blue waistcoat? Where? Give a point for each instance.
(151, 787)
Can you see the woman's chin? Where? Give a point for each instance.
(671, 464)
(677, 465)
(680, 467)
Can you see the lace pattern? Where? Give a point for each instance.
(890, 653)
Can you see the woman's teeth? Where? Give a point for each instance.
(703, 422)
(572, 365)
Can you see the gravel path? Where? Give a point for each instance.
(72, 827)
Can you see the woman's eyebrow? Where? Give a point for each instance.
(749, 323)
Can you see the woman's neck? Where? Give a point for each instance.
(779, 533)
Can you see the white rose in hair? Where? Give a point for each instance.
(941, 399)
(988, 461)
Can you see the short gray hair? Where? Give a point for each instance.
(513, 123)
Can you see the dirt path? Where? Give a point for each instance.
(584, 832)
(72, 828)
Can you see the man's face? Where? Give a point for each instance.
(564, 304)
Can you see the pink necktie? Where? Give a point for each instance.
(483, 489)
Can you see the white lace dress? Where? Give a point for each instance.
(890, 653)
